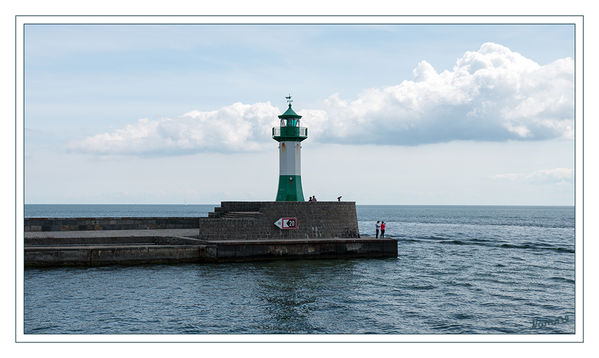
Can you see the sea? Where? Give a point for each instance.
(460, 270)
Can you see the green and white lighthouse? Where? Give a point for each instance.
(290, 135)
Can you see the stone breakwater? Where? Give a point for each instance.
(116, 223)
(247, 220)
(235, 231)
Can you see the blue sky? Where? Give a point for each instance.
(398, 114)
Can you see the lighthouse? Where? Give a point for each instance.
(289, 134)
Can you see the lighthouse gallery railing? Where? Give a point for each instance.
(290, 132)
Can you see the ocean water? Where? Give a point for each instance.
(460, 270)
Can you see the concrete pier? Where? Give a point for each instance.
(236, 231)
(129, 247)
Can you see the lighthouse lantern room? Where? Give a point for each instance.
(290, 135)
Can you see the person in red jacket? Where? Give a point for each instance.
(383, 229)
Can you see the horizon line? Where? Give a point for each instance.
(189, 204)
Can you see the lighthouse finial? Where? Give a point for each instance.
(289, 100)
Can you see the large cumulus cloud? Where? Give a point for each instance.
(492, 94)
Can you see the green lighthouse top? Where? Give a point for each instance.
(290, 129)
(289, 113)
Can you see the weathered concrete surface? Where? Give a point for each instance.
(86, 254)
(47, 256)
(110, 223)
(106, 247)
(303, 249)
(249, 220)
(112, 237)
(111, 233)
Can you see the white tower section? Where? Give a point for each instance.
(290, 158)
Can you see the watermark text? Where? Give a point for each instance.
(544, 322)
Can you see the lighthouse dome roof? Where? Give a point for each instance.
(289, 113)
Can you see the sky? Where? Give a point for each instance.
(397, 114)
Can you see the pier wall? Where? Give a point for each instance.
(57, 256)
(217, 251)
(244, 220)
(112, 223)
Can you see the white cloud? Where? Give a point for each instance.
(238, 127)
(546, 176)
(492, 94)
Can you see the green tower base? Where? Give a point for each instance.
(290, 188)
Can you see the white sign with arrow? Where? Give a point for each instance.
(286, 223)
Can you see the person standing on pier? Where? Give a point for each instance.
(383, 229)
(378, 226)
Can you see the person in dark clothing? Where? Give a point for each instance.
(383, 229)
